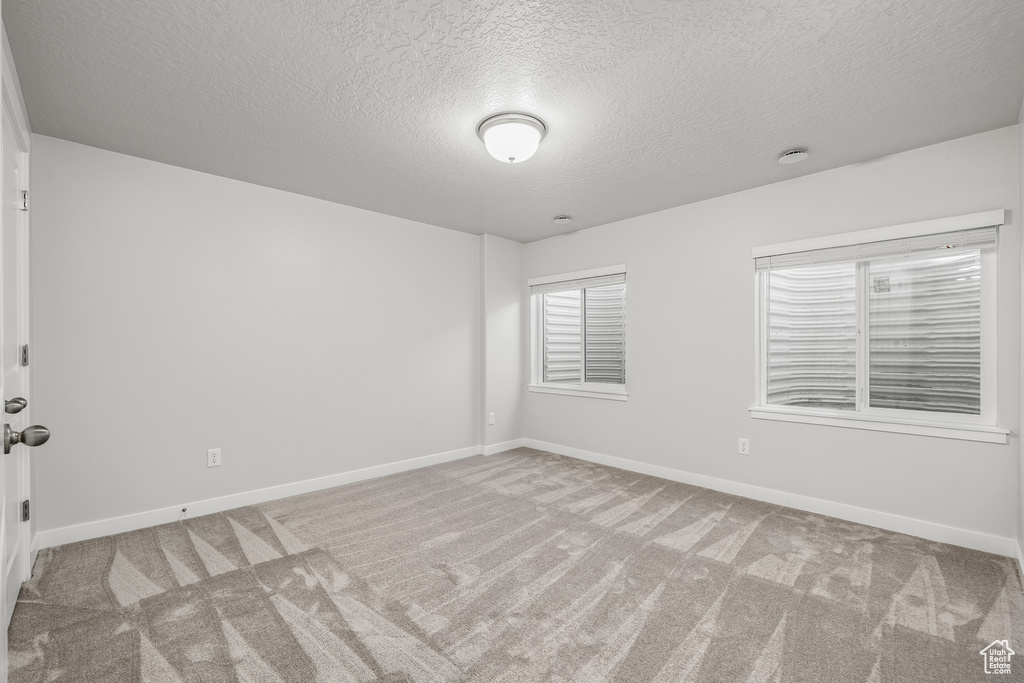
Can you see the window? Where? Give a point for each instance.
(890, 329)
(579, 333)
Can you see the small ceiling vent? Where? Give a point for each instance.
(561, 220)
(793, 156)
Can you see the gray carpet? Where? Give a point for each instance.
(523, 566)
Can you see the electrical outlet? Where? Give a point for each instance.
(490, 418)
(213, 457)
(744, 446)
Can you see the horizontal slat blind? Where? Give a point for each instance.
(605, 317)
(925, 333)
(563, 341)
(584, 329)
(812, 336)
(978, 238)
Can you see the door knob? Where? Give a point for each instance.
(30, 436)
(15, 405)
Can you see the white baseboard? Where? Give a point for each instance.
(503, 446)
(884, 520)
(115, 525)
(1020, 559)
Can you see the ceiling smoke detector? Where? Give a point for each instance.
(793, 156)
(511, 138)
(563, 219)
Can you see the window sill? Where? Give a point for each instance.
(617, 394)
(966, 432)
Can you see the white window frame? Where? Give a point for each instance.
(612, 392)
(981, 427)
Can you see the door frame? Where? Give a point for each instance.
(13, 104)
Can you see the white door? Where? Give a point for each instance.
(14, 485)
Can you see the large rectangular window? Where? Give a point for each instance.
(579, 325)
(882, 333)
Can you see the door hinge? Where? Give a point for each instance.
(24, 355)
(24, 511)
(24, 201)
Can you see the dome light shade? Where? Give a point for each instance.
(511, 138)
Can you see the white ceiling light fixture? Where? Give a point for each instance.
(793, 156)
(511, 138)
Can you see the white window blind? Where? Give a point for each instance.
(605, 320)
(924, 322)
(582, 332)
(563, 337)
(812, 336)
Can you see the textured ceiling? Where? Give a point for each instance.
(649, 103)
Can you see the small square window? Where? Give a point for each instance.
(580, 334)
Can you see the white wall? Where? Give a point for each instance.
(504, 370)
(176, 311)
(690, 322)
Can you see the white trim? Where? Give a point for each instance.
(502, 447)
(878, 423)
(760, 347)
(942, 533)
(990, 334)
(1020, 560)
(577, 275)
(537, 341)
(588, 391)
(484, 422)
(35, 552)
(12, 98)
(139, 520)
(862, 299)
(935, 226)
